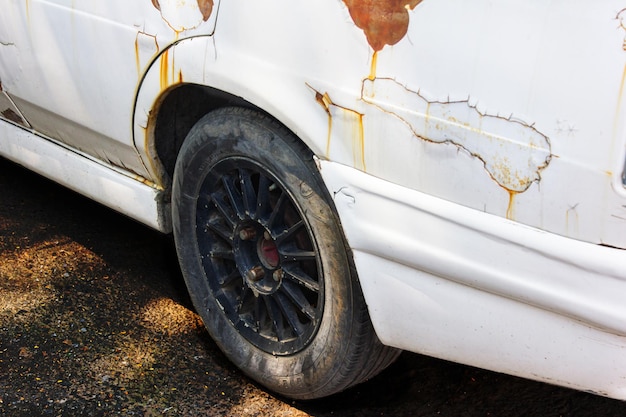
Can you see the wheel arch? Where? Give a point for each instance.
(179, 88)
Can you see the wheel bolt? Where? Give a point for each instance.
(247, 233)
(278, 275)
(255, 274)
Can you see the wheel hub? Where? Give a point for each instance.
(257, 258)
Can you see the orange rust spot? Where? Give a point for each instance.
(385, 22)
(206, 8)
(156, 4)
(180, 76)
(324, 101)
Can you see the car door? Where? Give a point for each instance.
(70, 70)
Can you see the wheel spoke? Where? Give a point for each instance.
(291, 314)
(295, 294)
(222, 254)
(276, 317)
(277, 211)
(218, 199)
(259, 313)
(297, 275)
(296, 255)
(263, 198)
(234, 195)
(226, 280)
(248, 193)
(219, 229)
(290, 232)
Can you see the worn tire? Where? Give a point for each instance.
(265, 260)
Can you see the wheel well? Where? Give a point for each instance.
(179, 110)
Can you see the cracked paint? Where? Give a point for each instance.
(384, 22)
(513, 152)
(146, 46)
(181, 15)
(357, 134)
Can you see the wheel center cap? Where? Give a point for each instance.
(268, 253)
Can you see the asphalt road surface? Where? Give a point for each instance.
(95, 320)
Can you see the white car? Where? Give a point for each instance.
(346, 179)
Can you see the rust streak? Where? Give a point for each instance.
(360, 138)
(385, 22)
(510, 211)
(164, 69)
(137, 63)
(372, 75)
(358, 144)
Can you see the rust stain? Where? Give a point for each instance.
(156, 4)
(372, 75)
(385, 22)
(358, 137)
(165, 69)
(180, 76)
(510, 211)
(137, 63)
(206, 8)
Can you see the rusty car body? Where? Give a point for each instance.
(471, 153)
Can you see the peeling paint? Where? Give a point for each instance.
(384, 22)
(358, 134)
(513, 152)
(181, 15)
(149, 45)
(9, 114)
(9, 111)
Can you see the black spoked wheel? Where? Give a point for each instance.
(265, 260)
(260, 257)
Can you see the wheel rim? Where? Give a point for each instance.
(260, 257)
